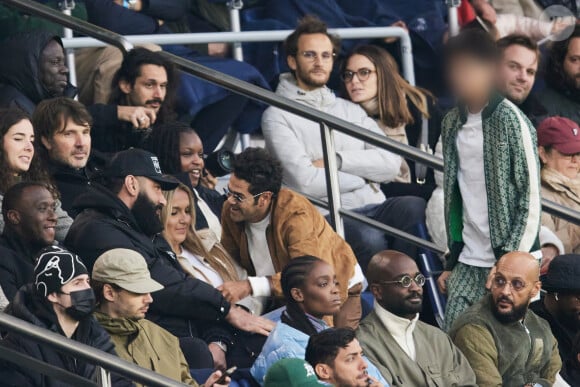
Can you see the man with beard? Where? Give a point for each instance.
(61, 300)
(519, 57)
(296, 142)
(143, 94)
(337, 359)
(63, 126)
(561, 307)
(407, 351)
(505, 343)
(562, 94)
(123, 212)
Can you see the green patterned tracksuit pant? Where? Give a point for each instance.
(465, 286)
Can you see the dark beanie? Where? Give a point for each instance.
(56, 267)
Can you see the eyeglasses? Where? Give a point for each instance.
(516, 284)
(361, 74)
(312, 56)
(239, 198)
(407, 280)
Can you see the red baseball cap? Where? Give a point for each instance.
(561, 133)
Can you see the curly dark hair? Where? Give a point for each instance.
(164, 142)
(36, 172)
(261, 170)
(131, 69)
(555, 75)
(323, 347)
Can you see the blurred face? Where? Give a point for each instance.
(350, 368)
(512, 290)
(313, 62)
(568, 310)
(126, 304)
(244, 206)
(363, 85)
(150, 87)
(35, 216)
(567, 165)
(571, 64)
(53, 72)
(471, 79)
(517, 72)
(320, 295)
(178, 222)
(401, 301)
(191, 156)
(18, 144)
(70, 146)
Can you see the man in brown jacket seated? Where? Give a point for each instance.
(506, 344)
(264, 226)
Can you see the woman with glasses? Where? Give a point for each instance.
(405, 113)
(559, 151)
(312, 293)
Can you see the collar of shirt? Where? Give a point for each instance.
(400, 328)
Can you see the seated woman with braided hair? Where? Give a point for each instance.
(312, 292)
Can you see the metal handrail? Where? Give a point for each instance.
(266, 36)
(73, 23)
(85, 352)
(261, 95)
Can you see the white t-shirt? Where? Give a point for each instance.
(260, 256)
(471, 178)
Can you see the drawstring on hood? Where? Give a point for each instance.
(319, 98)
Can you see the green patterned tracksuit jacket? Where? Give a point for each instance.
(512, 179)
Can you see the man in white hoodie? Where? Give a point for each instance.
(296, 142)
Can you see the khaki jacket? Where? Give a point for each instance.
(296, 229)
(438, 362)
(564, 191)
(148, 345)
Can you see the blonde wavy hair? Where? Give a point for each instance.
(218, 258)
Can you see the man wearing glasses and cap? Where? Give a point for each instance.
(407, 351)
(505, 343)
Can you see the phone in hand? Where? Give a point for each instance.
(226, 373)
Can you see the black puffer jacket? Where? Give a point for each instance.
(20, 84)
(104, 222)
(29, 307)
(17, 263)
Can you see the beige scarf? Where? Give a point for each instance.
(398, 134)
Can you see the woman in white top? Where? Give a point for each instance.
(199, 252)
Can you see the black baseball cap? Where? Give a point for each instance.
(138, 162)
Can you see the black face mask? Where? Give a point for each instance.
(146, 214)
(82, 304)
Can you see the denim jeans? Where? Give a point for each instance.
(403, 213)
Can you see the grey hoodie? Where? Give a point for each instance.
(296, 142)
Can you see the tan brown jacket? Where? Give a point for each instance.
(296, 229)
(564, 191)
